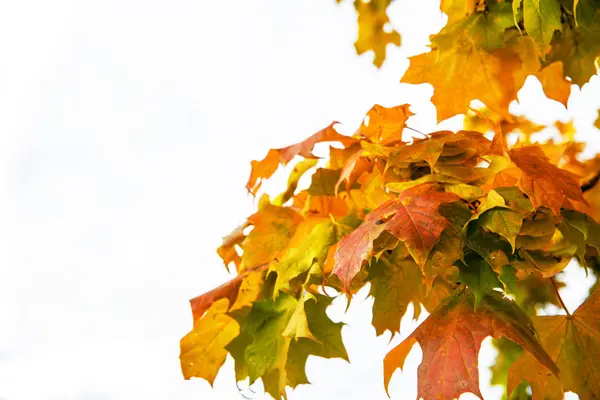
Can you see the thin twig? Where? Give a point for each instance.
(558, 296)
(418, 131)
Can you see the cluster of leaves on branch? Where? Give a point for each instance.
(488, 48)
(461, 224)
(452, 222)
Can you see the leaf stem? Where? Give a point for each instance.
(416, 130)
(562, 303)
(591, 183)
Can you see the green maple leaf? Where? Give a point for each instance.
(541, 19)
(477, 274)
(395, 283)
(494, 216)
(309, 245)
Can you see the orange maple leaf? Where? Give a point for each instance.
(545, 183)
(451, 338)
(353, 168)
(412, 217)
(385, 125)
(266, 167)
(554, 83)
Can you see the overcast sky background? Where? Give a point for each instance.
(127, 128)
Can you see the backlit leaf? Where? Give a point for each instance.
(309, 245)
(545, 184)
(412, 218)
(385, 125)
(463, 75)
(451, 337)
(266, 167)
(553, 81)
(395, 283)
(478, 275)
(203, 349)
(542, 19)
(573, 342)
(578, 46)
(372, 29)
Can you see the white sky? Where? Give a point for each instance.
(127, 128)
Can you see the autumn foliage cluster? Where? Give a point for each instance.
(474, 226)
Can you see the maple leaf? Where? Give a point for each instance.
(273, 227)
(385, 125)
(353, 168)
(266, 167)
(278, 336)
(493, 215)
(545, 184)
(578, 46)
(451, 337)
(309, 245)
(554, 84)
(328, 334)
(395, 283)
(479, 276)
(541, 19)
(326, 342)
(268, 348)
(373, 33)
(463, 75)
(469, 62)
(573, 342)
(412, 217)
(203, 349)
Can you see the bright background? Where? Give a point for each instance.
(127, 128)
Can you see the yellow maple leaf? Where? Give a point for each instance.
(466, 74)
(374, 29)
(203, 348)
(573, 343)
